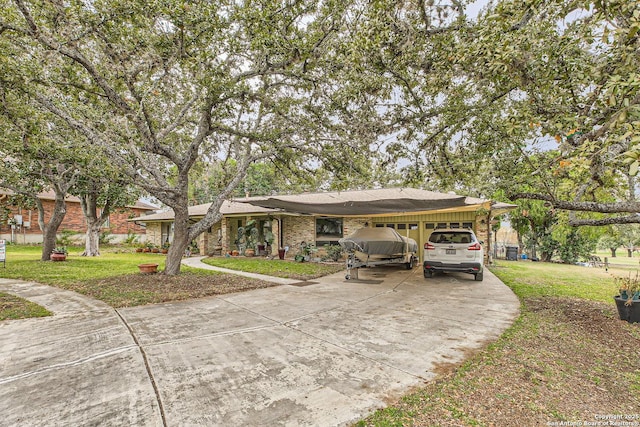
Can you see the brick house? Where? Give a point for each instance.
(25, 229)
(323, 218)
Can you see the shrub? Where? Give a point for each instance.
(65, 238)
(334, 252)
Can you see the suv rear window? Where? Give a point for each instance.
(451, 237)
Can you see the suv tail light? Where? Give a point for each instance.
(429, 247)
(475, 247)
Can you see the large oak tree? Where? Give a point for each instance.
(161, 84)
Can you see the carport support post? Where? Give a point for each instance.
(354, 273)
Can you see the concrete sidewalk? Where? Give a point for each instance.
(196, 262)
(323, 354)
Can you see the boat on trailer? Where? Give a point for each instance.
(370, 247)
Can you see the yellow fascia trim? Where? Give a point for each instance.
(468, 208)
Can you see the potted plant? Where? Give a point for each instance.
(148, 268)
(59, 253)
(251, 234)
(147, 247)
(165, 248)
(628, 302)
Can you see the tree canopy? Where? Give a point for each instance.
(528, 100)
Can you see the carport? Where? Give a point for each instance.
(412, 212)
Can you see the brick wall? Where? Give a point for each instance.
(298, 229)
(482, 233)
(73, 220)
(208, 241)
(154, 233)
(349, 225)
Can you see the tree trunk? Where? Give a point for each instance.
(613, 252)
(50, 229)
(92, 240)
(89, 203)
(630, 252)
(181, 240)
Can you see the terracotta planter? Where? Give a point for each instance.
(235, 253)
(138, 249)
(164, 251)
(58, 257)
(281, 253)
(148, 268)
(155, 250)
(146, 250)
(250, 252)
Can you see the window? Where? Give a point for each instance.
(442, 225)
(402, 226)
(467, 225)
(328, 231)
(429, 226)
(379, 225)
(454, 225)
(413, 226)
(391, 225)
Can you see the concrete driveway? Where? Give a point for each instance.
(323, 353)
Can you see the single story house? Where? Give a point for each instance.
(22, 225)
(322, 219)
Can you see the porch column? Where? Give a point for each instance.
(225, 237)
(203, 243)
(276, 225)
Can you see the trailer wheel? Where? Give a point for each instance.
(348, 276)
(409, 265)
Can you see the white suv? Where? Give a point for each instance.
(455, 249)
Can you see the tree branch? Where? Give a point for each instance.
(631, 219)
(615, 207)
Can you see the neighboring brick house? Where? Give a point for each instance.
(323, 218)
(25, 227)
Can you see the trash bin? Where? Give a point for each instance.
(512, 253)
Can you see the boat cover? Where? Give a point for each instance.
(378, 241)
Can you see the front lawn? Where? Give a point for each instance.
(12, 307)
(113, 277)
(567, 358)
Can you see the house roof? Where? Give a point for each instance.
(366, 202)
(340, 203)
(50, 195)
(228, 208)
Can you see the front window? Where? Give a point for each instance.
(328, 231)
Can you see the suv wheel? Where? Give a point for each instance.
(478, 277)
(428, 274)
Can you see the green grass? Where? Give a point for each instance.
(276, 267)
(113, 277)
(23, 262)
(12, 307)
(535, 279)
(521, 379)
